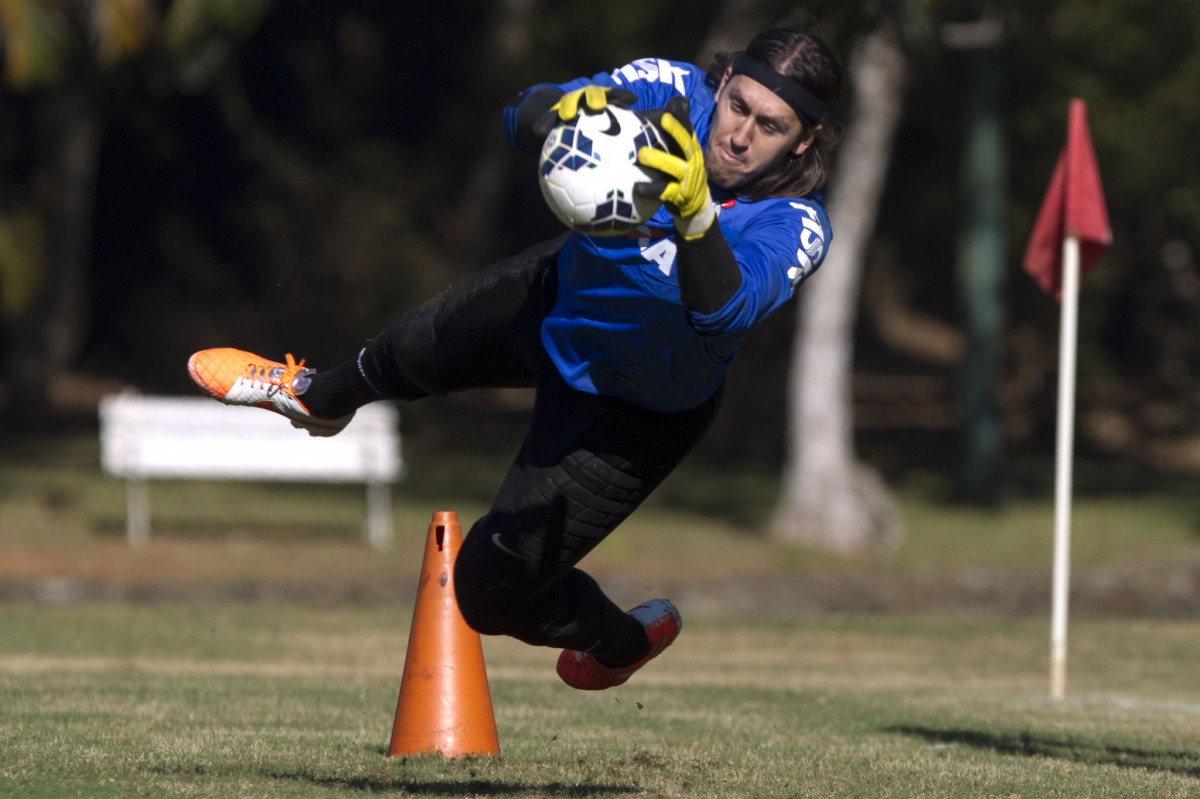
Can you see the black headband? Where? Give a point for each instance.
(808, 106)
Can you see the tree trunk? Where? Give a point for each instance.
(980, 270)
(47, 336)
(829, 501)
(480, 204)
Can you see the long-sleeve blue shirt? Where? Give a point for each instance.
(618, 326)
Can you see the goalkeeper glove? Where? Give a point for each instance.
(684, 189)
(593, 98)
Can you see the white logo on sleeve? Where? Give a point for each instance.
(652, 69)
(812, 244)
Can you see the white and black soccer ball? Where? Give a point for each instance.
(588, 168)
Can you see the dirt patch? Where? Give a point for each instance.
(192, 572)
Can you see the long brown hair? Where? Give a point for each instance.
(810, 62)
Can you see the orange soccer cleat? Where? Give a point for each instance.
(236, 377)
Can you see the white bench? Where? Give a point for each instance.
(144, 437)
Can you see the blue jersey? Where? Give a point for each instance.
(618, 326)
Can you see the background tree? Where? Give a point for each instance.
(47, 287)
(290, 175)
(828, 500)
(982, 251)
(71, 61)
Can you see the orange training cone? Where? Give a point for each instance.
(445, 706)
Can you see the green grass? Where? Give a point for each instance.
(104, 692)
(284, 700)
(703, 521)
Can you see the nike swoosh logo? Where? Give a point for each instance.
(614, 127)
(500, 546)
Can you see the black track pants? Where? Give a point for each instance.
(586, 463)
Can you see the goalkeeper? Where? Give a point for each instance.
(627, 338)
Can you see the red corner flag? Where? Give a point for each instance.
(1073, 206)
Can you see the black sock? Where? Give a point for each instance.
(338, 391)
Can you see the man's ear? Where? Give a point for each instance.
(806, 139)
(724, 80)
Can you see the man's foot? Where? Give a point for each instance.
(581, 670)
(236, 377)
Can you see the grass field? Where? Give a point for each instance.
(285, 700)
(255, 647)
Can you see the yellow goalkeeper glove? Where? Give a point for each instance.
(593, 99)
(685, 188)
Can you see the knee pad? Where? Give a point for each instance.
(481, 588)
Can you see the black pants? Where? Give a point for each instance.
(586, 463)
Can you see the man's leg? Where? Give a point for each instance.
(586, 464)
(484, 331)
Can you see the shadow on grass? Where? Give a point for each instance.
(464, 779)
(1178, 761)
(465, 776)
(466, 787)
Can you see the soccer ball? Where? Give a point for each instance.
(588, 168)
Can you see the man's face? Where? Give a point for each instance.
(753, 129)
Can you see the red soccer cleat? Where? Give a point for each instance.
(581, 670)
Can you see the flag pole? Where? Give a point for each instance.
(1068, 337)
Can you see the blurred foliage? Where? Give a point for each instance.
(34, 36)
(288, 176)
(22, 241)
(1137, 65)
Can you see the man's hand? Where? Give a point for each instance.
(593, 98)
(685, 187)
